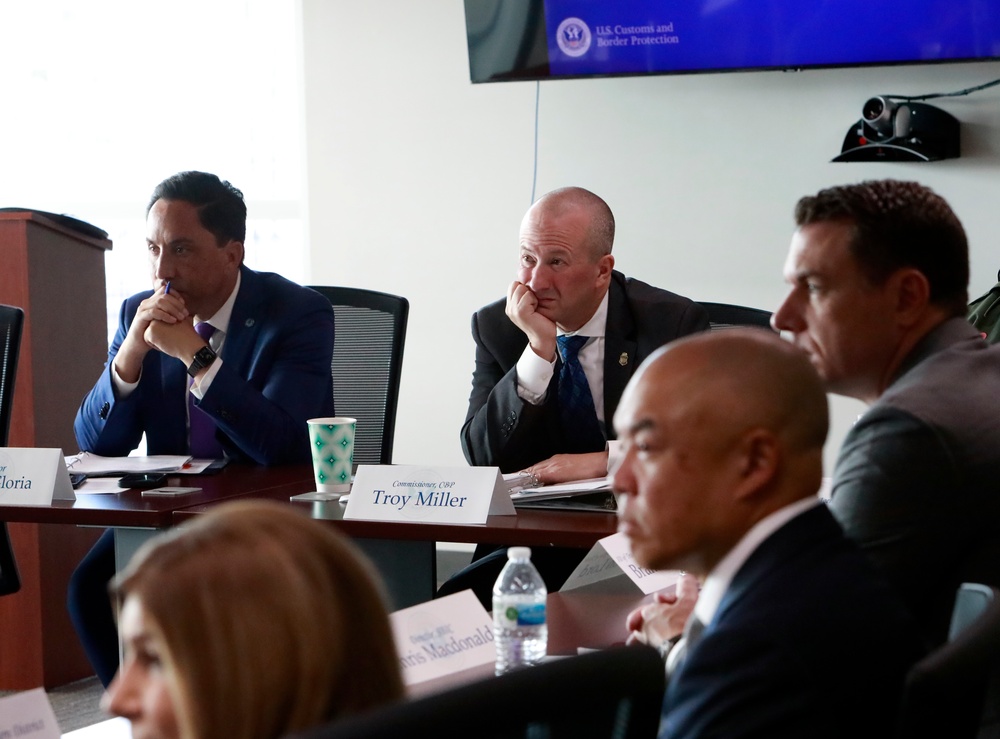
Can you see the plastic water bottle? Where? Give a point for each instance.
(519, 629)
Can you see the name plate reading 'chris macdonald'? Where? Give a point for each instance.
(414, 494)
(442, 637)
(28, 714)
(33, 476)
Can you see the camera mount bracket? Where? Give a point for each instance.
(901, 132)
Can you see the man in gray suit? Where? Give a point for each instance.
(879, 274)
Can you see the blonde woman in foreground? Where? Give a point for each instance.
(249, 623)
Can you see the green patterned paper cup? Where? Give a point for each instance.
(332, 441)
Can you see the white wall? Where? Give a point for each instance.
(417, 179)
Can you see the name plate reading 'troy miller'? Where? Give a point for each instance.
(415, 494)
(33, 476)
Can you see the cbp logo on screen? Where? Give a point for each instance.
(573, 37)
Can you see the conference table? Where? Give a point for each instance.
(403, 552)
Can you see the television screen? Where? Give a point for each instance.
(543, 39)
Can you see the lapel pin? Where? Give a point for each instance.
(623, 359)
(249, 322)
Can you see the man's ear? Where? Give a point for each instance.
(605, 265)
(758, 456)
(234, 253)
(912, 295)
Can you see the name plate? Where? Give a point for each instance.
(612, 558)
(428, 494)
(33, 477)
(28, 714)
(442, 637)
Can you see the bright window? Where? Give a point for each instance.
(105, 98)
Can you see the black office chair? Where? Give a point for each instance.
(955, 690)
(723, 315)
(367, 365)
(11, 323)
(614, 694)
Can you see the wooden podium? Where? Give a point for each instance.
(56, 274)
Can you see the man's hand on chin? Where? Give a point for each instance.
(522, 310)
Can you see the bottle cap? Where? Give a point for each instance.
(519, 553)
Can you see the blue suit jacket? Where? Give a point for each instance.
(808, 641)
(274, 376)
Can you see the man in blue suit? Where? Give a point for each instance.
(794, 632)
(216, 361)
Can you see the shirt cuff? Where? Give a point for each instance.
(200, 386)
(614, 449)
(533, 376)
(122, 389)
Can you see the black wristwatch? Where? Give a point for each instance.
(203, 358)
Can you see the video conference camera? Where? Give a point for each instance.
(893, 131)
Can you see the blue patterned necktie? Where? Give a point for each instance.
(203, 442)
(576, 404)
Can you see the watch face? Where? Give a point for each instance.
(203, 358)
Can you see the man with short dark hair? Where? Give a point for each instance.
(217, 360)
(878, 274)
(794, 632)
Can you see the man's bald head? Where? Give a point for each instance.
(739, 378)
(555, 205)
(719, 430)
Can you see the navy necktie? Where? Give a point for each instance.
(576, 404)
(202, 428)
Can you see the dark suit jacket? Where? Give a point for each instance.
(917, 481)
(808, 641)
(501, 429)
(275, 375)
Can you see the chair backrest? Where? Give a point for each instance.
(723, 315)
(954, 690)
(616, 693)
(367, 364)
(11, 323)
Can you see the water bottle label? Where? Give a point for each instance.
(528, 614)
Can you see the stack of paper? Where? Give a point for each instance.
(94, 465)
(579, 495)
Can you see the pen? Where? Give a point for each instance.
(166, 290)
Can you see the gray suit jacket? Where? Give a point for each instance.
(501, 429)
(917, 482)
